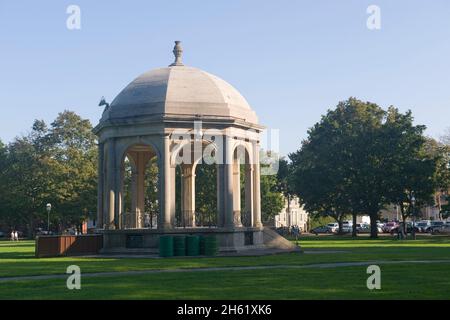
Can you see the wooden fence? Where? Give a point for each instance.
(54, 246)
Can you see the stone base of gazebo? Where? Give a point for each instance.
(231, 241)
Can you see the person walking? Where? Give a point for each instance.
(16, 235)
(12, 235)
(296, 231)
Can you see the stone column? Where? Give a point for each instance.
(100, 199)
(249, 198)
(110, 185)
(188, 195)
(167, 187)
(140, 190)
(118, 195)
(220, 195)
(237, 192)
(131, 217)
(257, 189)
(228, 184)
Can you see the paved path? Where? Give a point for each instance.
(207, 269)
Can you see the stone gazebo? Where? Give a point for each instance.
(180, 117)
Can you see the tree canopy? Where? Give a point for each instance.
(57, 165)
(359, 158)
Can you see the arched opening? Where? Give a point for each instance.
(179, 221)
(140, 191)
(206, 195)
(242, 187)
(196, 188)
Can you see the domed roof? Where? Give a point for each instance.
(180, 91)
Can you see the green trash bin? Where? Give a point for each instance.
(211, 246)
(166, 246)
(179, 246)
(202, 245)
(192, 245)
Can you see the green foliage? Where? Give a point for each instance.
(272, 200)
(57, 165)
(206, 194)
(317, 221)
(359, 158)
(151, 201)
(74, 167)
(26, 179)
(410, 165)
(445, 209)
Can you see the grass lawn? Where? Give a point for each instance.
(426, 281)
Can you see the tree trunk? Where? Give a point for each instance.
(30, 231)
(354, 233)
(339, 221)
(373, 225)
(404, 216)
(439, 205)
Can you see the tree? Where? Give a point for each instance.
(335, 166)
(358, 159)
(206, 193)
(27, 182)
(272, 200)
(411, 163)
(284, 183)
(74, 167)
(151, 187)
(50, 165)
(445, 139)
(3, 185)
(315, 183)
(443, 175)
(440, 152)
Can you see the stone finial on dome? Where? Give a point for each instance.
(177, 51)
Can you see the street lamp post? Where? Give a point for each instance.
(413, 231)
(49, 208)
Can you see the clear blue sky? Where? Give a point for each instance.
(292, 60)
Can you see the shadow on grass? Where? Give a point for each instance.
(10, 244)
(16, 255)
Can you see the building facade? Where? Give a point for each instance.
(292, 214)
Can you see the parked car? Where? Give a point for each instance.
(283, 231)
(334, 227)
(362, 226)
(444, 229)
(388, 227)
(321, 229)
(408, 228)
(422, 226)
(2, 234)
(365, 228)
(44, 233)
(434, 225)
(346, 228)
(380, 227)
(70, 231)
